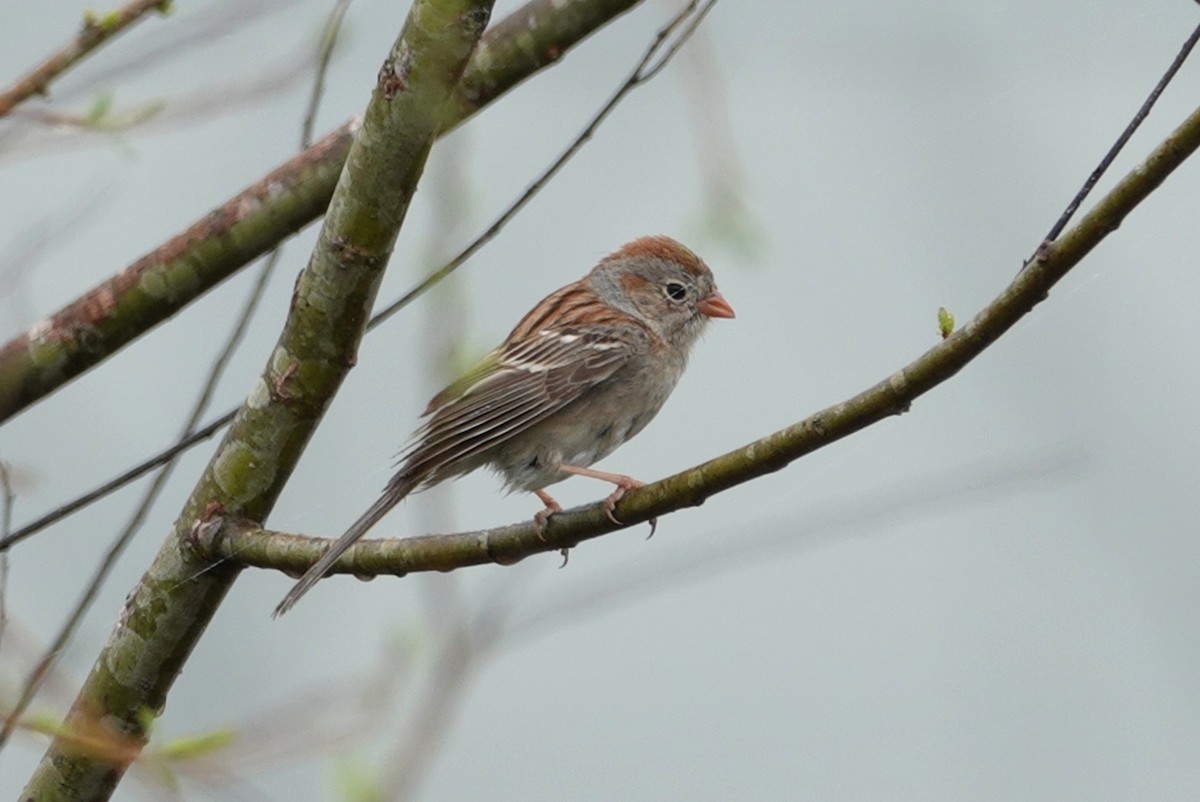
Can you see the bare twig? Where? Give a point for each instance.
(161, 45)
(329, 36)
(216, 371)
(103, 320)
(660, 52)
(96, 31)
(1125, 136)
(42, 669)
(167, 612)
(640, 74)
(891, 396)
(85, 129)
(468, 641)
(117, 482)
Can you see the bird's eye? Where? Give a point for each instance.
(676, 291)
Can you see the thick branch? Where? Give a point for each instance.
(108, 317)
(250, 545)
(167, 612)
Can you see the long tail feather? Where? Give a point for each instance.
(393, 495)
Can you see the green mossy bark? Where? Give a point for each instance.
(168, 611)
(98, 324)
(891, 396)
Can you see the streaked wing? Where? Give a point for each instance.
(512, 389)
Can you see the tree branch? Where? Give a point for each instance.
(96, 31)
(661, 50)
(250, 545)
(105, 319)
(66, 633)
(167, 612)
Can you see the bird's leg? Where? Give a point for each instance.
(539, 520)
(624, 484)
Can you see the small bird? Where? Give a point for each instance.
(585, 370)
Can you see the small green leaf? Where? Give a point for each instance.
(106, 22)
(945, 322)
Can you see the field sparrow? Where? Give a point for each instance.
(583, 372)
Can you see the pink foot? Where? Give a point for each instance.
(543, 515)
(624, 484)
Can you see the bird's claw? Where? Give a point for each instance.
(610, 503)
(543, 515)
(539, 522)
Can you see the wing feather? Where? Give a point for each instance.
(512, 389)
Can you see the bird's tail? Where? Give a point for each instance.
(395, 492)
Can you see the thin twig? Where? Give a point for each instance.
(117, 482)
(1125, 136)
(159, 46)
(333, 25)
(211, 428)
(78, 130)
(96, 31)
(250, 223)
(468, 642)
(645, 70)
(891, 396)
(215, 373)
(46, 663)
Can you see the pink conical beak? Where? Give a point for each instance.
(715, 305)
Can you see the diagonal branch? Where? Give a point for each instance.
(105, 319)
(96, 31)
(252, 546)
(660, 52)
(167, 612)
(656, 56)
(67, 631)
